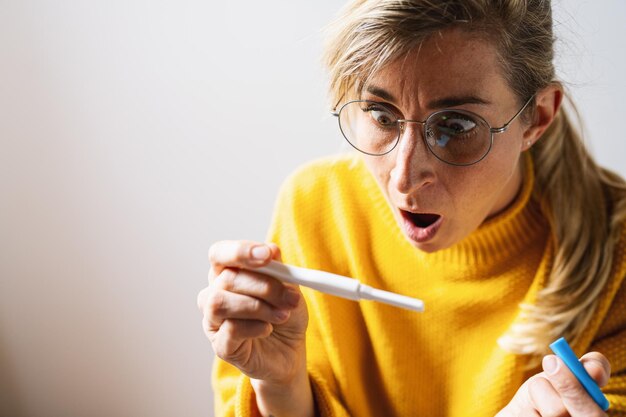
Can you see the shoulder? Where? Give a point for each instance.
(317, 208)
(325, 177)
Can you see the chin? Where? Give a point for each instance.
(428, 247)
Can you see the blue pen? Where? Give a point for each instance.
(567, 355)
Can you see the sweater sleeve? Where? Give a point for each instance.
(234, 396)
(233, 393)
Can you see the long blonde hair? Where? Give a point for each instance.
(583, 203)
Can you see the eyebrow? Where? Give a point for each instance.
(444, 102)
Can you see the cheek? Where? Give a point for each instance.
(467, 188)
(504, 156)
(490, 185)
(477, 188)
(507, 146)
(380, 167)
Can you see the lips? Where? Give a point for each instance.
(420, 227)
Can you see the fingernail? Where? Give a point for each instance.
(260, 253)
(550, 364)
(291, 297)
(281, 314)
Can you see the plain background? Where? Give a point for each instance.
(133, 134)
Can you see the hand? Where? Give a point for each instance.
(254, 321)
(556, 391)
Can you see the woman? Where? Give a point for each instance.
(471, 191)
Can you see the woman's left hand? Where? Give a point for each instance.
(557, 392)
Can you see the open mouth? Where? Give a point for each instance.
(421, 227)
(422, 220)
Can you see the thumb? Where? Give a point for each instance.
(275, 251)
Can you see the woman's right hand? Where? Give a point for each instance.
(253, 321)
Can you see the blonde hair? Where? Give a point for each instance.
(583, 203)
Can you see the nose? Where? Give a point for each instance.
(414, 163)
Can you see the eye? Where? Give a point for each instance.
(455, 124)
(382, 116)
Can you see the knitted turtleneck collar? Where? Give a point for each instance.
(499, 237)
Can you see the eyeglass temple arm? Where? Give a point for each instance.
(506, 125)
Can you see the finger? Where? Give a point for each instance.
(238, 254)
(276, 255)
(202, 298)
(544, 398)
(222, 305)
(598, 367)
(260, 286)
(233, 333)
(575, 398)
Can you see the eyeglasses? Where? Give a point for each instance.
(456, 137)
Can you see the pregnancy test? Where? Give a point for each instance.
(337, 285)
(567, 355)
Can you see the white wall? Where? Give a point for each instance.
(135, 133)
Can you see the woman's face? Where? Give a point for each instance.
(437, 204)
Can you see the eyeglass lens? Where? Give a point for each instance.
(454, 136)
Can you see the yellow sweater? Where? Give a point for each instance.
(368, 359)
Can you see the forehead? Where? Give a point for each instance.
(453, 61)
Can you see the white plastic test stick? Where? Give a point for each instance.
(338, 285)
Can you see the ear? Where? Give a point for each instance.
(547, 104)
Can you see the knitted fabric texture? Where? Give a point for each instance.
(368, 359)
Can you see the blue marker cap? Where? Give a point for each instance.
(567, 355)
